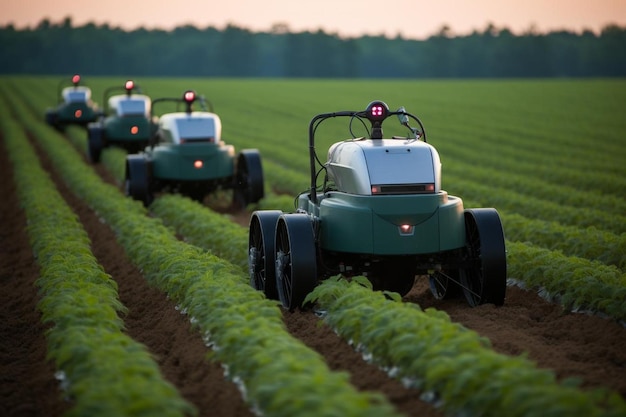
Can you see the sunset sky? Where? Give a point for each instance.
(350, 18)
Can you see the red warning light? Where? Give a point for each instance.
(78, 114)
(134, 130)
(189, 96)
(130, 84)
(76, 79)
(198, 164)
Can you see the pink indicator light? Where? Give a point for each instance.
(129, 85)
(134, 130)
(198, 164)
(78, 113)
(190, 96)
(76, 79)
(377, 110)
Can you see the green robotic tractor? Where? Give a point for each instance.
(379, 212)
(187, 155)
(75, 106)
(125, 122)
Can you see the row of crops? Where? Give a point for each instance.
(581, 268)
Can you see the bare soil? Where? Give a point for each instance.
(587, 347)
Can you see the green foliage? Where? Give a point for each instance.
(105, 372)
(203, 227)
(524, 147)
(238, 52)
(245, 330)
(455, 363)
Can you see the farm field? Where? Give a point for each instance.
(548, 154)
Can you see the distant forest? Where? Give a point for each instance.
(186, 51)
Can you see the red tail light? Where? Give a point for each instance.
(134, 130)
(406, 229)
(198, 164)
(78, 113)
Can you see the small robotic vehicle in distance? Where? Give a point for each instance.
(186, 155)
(75, 106)
(380, 213)
(124, 122)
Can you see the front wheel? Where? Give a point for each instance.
(485, 281)
(296, 262)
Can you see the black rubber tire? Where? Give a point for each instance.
(95, 142)
(296, 262)
(138, 179)
(486, 281)
(261, 252)
(249, 185)
(51, 117)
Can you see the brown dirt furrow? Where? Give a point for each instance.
(27, 383)
(573, 345)
(154, 321)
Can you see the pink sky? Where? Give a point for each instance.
(410, 18)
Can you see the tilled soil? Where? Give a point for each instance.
(587, 347)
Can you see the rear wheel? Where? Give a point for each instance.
(261, 253)
(51, 117)
(296, 262)
(95, 138)
(485, 281)
(138, 177)
(248, 179)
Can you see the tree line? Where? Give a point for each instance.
(61, 48)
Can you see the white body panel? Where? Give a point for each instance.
(77, 94)
(357, 165)
(136, 104)
(197, 126)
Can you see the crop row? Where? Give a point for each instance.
(593, 242)
(537, 187)
(578, 283)
(103, 371)
(439, 391)
(422, 347)
(278, 374)
(426, 349)
(527, 161)
(572, 279)
(547, 161)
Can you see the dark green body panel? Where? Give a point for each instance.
(370, 224)
(119, 128)
(176, 162)
(66, 113)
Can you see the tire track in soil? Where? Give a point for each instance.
(153, 320)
